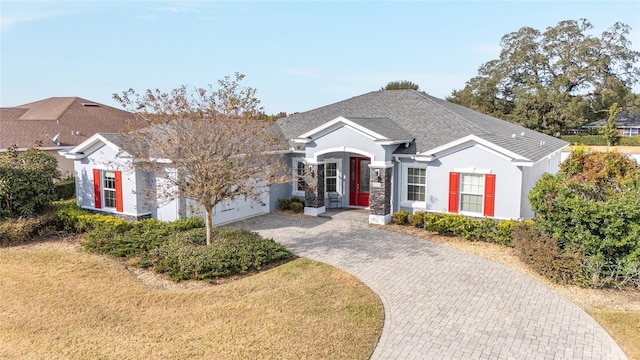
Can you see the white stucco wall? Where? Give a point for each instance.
(103, 157)
(508, 179)
(348, 140)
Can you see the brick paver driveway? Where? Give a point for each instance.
(441, 303)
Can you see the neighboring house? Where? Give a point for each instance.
(628, 123)
(385, 150)
(59, 123)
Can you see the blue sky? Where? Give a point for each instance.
(299, 55)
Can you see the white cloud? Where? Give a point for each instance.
(8, 21)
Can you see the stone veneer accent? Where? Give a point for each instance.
(380, 192)
(315, 198)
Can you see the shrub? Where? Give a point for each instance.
(18, 231)
(233, 251)
(297, 207)
(294, 204)
(543, 254)
(137, 242)
(417, 219)
(284, 204)
(73, 218)
(400, 217)
(26, 182)
(65, 189)
(485, 229)
(599, 140)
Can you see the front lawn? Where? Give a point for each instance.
(68, 304)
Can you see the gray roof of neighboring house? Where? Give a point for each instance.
(623, 119)
(431, 121)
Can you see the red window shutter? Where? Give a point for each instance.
(96, 189)
(454, 181)
(489, 194)
(119, 204)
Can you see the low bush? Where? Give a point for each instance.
(233, 251)
(417, 219)
(75, 219)
(135, 243)
(294, 204)
(19, 231)
(400, 217)
(543, 254)
(485, 229)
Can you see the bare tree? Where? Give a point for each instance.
(204, 143)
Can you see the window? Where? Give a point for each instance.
(331, 177)
(109, 188)
(416, 184)
(472, 193)
(630, 131)
(300, 175)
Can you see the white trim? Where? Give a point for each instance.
(472, 170)
(77, 152)
(379, 219)
(343, 149)
(311, 211)
(424, 158)
(329, 125)
(478, 140)
(381, 164)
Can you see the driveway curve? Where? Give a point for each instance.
(442, 303)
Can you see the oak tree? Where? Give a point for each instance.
(555, 79)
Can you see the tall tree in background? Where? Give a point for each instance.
(557, 79)
(611, 127)
(205, 143)
(402, 84)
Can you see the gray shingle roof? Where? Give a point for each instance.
(385, 127)
(623, 119)
(431, 121)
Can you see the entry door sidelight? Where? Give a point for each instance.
(359, 181)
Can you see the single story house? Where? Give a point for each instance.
(384, 151)
(628, 124)
(59, 124)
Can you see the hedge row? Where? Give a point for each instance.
(599, 140)
(485, 229)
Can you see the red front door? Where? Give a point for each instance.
(359, 181)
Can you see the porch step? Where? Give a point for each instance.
(347, 214)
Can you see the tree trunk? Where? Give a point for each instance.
(208, 222)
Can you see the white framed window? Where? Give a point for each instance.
(414, 188)
(331, 177)
(471, 193)
(630, 132)
(298, 173)
(109, 188)
(416, 184)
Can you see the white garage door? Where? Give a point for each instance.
(232, 210)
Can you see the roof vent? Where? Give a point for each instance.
(514, 136)
(90, 104)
